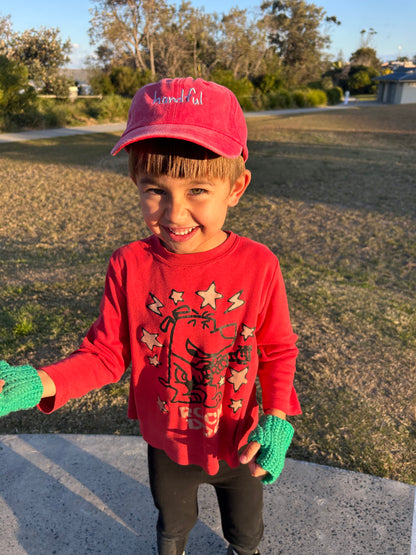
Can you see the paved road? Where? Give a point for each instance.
(68, 494)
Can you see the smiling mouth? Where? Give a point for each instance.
(182, 232)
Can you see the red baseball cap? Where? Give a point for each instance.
(194, 110)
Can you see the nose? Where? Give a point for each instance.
(176, 210)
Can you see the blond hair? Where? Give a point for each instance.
(181, 159)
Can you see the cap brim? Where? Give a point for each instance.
(212, 140)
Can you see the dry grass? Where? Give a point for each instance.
(333, 195)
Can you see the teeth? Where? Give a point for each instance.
(183, 232)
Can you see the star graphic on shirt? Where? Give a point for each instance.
(162, 405)
(247, 332)
(238, 378)
(210, 296)
(154, 361)
(236, 404)
(176, 296)
(150, 339)
(221, 381)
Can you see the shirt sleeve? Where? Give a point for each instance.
(104, 354)
(277, 349)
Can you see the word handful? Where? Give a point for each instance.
(192, 96)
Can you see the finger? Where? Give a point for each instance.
(256, 470)
(249, 452)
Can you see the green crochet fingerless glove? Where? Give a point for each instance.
(274, 435)
(22, 390)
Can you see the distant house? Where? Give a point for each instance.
(398, 87)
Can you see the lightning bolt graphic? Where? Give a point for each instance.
(235, 301)
(155, 305)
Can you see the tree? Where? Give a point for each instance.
(294, 29)
(365, 56)
(186, 45)
(365, 65)
(170, 41)
(338, 73)
(5, 33)
(43, 53)
(367, 37)
(15, 92)
(243, 45)
(360, 80)
(200, 31)
(129, 28)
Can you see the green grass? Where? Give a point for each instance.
(333, 195)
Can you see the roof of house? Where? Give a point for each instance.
(401, 74)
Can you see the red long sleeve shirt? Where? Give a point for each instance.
(197, 329)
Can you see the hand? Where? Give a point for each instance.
(274, 435)
(20, 388)
(249, 455)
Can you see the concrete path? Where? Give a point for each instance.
(83, 494)
(119, 127)
(60, 132)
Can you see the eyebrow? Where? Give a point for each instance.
(149, 180)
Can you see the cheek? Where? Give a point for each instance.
(149, 208)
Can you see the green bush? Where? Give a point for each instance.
(16, 96)
(327, 83)
(268, 82)
(91, 108)
(280, 100)
(334, 95)
(45, 113)
(113, 107)
(126, 81)
(242, 88)
(55, 112)
(360, 80)
(101, 84)
(316, 97)
(309, 98)
(123, 81)
(300, 98)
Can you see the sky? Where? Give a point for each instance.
(393, 22)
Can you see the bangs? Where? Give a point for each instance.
(181, 159)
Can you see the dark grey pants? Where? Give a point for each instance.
(174, 488)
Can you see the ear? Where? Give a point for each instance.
(239, 187)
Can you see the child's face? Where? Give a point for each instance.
(188, 214)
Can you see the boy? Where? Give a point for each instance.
(199, 312)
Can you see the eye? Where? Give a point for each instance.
(154, 191)
(197, 191)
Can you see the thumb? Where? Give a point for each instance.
(249, 453)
